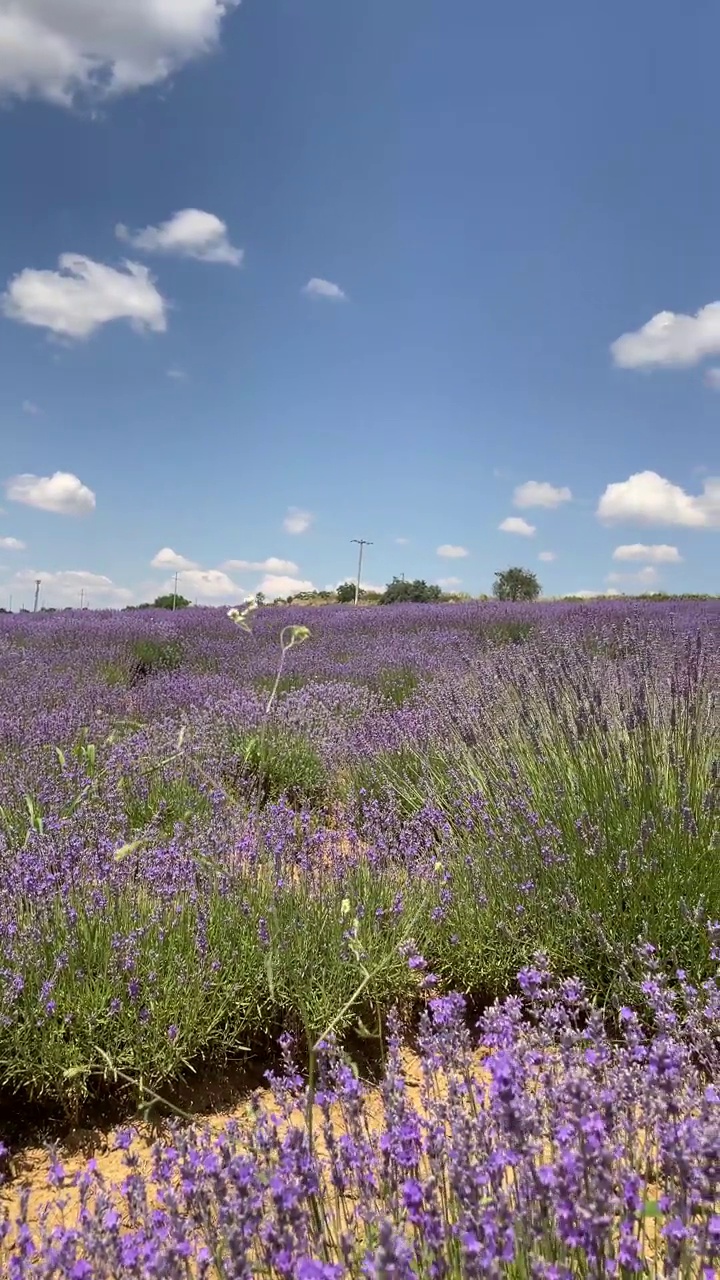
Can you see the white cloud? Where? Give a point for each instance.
(449, 552)
(206, 584)
(169, 559)
(318, 288)
(65, 587)
(59, 49)
(178, 375)
(62, 493)
(29, 406)
(190, 233)
(516, 524)
(403, 542)
(297, 521)
(594, 595)
(660, 553)
(12, 544)
(548, 556)
(450, 583)
(648, 498)
(271, 565)
(277, 584)
(645, 577)
(84, 295)
(670, 339)
(538, 493)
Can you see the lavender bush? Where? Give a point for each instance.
(549, 1148)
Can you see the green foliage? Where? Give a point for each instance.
(397, 684)
(277, 763)
(270, 958)
(509, 632)
(142, 659)
(591, 836)
(417, 592)
(151, 656)
(170, 601)
(346, 593)
(516, 584)
(286, 684)
(157, 803)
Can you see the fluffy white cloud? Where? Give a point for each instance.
(516, 524)
(65, 587)
(548, 556)
(538, 493)
(178, 375)
(62, 493)
(191, 233)
(11, 544)
(645, 577)
(206, 584)
(169, 559)
(271, 565)
(29, 406)
(403, 542)
(297, 521)
(660, 553)
(595, 595)
(449, 552)
(648, 498)
(318, 288)
(450, 583)
(670, 339)
(57, 49)
(84, 295)
(274, 585)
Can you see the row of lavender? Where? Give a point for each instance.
(462, 783)
(552, 1149)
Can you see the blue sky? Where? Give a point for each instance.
(509, 215)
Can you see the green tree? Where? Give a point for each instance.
(516, 584)
(418, 592)
(346, 593)
(166, 602)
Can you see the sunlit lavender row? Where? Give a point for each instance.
(548, 1146)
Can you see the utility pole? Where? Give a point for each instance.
(11, 604)
(175, 593)
(362, 543)
(37, 595)
(82, 597)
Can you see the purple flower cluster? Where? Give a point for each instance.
(546, 1145)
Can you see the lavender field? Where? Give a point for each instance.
(489, 831)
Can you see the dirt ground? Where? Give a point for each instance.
(211, 1106)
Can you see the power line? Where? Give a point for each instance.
(362, 543)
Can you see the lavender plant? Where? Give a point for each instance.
(554, 1147)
